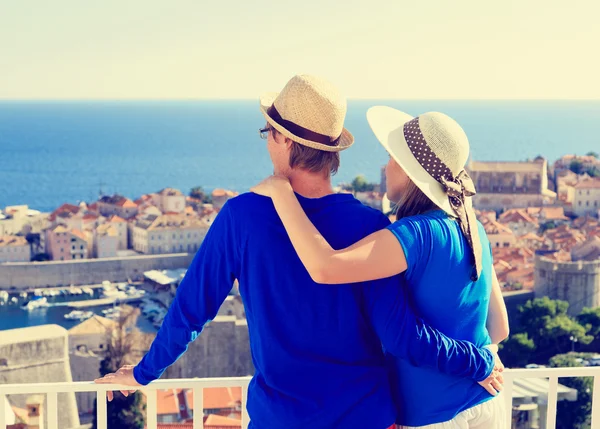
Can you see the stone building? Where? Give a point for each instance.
(171, 233)
(117, 205)
(222, 349)
(578, 282)
(499, 235)
(169, 200)
(504, 185)
(14, 248)
(38, 355)
(586, 200)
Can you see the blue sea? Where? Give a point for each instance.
(56, 152)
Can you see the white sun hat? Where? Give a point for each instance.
(432, 149)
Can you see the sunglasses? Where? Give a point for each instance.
(264, 132)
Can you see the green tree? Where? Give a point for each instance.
(590, 318)
(550, 327)
(593, 172)
(576, 166)
(360, 184)
(547, 225)
(198, 193)
(123, 347)
(40, 257)
(517, 351)
(574, 415)
(592, 153)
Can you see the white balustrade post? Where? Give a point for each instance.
(151, 416)
(596, 402)
(552, 401)
(101, 410)
(52, 410)
(506, 396)
(2, 411)
(245, 417)
(198, 408)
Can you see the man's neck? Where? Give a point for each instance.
(310, 185)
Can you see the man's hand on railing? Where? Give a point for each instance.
(123, 376)
(493, 384)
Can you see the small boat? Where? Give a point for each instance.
(23, 295)
(35, 303)
(3, 296)
(79, 315)
(14, 300)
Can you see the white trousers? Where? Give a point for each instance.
(489, 415)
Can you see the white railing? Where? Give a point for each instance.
(53, 389)
(552, 374)
(197, 385)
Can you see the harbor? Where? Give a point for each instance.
(68, 306)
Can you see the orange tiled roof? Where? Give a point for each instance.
(62, 210)
(78, 233)
(531, 236)
(214, 398)
(223, 192)
(90, 216)
(126, 203)
(217, 421)
(116, 219)
(59, 229)
(589, 184)
(12, 240)
(222, 397)
(516, 215)
(553, 213)
(166, 402)
(493, 227)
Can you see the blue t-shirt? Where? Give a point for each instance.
(316, 348)
(442, 293)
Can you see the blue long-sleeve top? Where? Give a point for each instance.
(316, 349)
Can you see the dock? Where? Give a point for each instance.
(102, 301)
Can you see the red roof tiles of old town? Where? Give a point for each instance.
(79, 234)
(516, 215)
(593, 183)
(493, 227)
(64, 209)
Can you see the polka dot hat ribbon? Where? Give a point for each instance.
(459, 189)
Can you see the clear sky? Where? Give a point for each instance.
(438, 49)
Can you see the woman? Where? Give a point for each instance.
(435, 240)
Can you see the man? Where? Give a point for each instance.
(316, 348)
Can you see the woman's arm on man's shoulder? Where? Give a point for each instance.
(376, 256)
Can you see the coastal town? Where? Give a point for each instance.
(542, 222)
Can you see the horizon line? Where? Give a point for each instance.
(256, 99)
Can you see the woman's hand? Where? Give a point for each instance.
(493, 384)
(123, 376)
(271, 185)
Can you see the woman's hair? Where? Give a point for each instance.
(413, 202)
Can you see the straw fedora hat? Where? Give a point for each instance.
(433, 135)
(309, 111)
